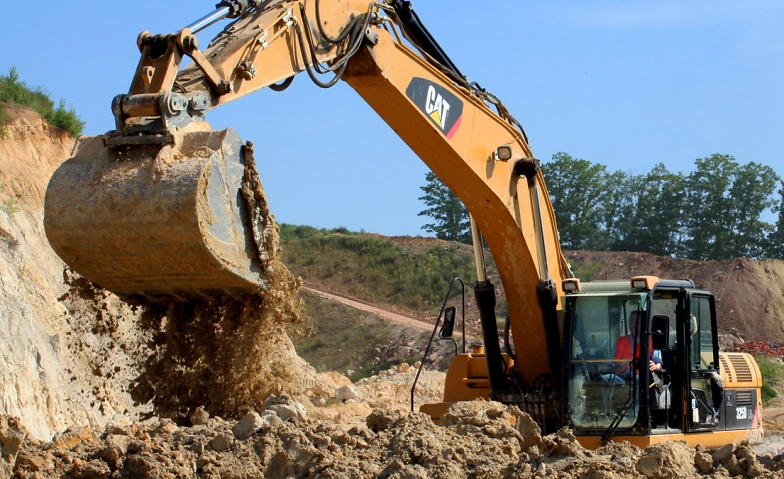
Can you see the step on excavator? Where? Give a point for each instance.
(165, 206)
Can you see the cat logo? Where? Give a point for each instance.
(443, 108)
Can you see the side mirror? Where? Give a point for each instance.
(660, 332)
(449, 323)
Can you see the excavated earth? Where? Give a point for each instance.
(93, 387)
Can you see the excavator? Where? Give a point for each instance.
(165, 206)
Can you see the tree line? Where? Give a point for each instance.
(715, 212)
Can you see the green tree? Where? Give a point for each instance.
(579, 191)
(775, 247)
(450, 216)
(725, 204)
(645, 212)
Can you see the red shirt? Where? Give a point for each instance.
(623, 351)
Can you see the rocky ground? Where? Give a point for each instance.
(477, 440)
(93, 387)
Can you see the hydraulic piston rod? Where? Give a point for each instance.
(209, 20)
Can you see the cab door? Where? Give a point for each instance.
(703, 391)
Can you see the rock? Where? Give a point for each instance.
(74, 437)
(670, 460)
(528, 428)
(199, 416)
(321, 390)
(220, 443)
(562, 443)
(286, 408)
(166, 426)
(118, 441)
(380, 420)
(346, 393)
(272, 419)
(404, 368)
(381, 402)
(198, 447)
(324, 442)
(112, 454)
(723, 453)
(403, 352)
(248, 426)
(12, 435)
(704, 462)
(117, 429)
(29, 463)
(94, 469)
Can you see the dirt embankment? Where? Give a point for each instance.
(749, 300)
(33, 326)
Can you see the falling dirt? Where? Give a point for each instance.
(225, 354)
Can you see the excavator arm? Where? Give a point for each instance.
(163, 205)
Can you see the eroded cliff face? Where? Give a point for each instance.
(70, 350)
(35, 384)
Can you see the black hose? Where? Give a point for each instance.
(282, 86)
(309, 68)
(324, 35)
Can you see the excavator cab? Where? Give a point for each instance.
(612, 393)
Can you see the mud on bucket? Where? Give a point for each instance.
(158, 220)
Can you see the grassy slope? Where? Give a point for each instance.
(376, 269)
(360, 344)
(13, 91)
(410, 277)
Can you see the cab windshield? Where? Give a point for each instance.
(602, 384)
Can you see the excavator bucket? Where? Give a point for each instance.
(158, 220)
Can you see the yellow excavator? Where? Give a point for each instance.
(165, 206)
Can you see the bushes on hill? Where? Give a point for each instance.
(15, 91)
(374, 269)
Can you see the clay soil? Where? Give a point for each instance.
(94, 387)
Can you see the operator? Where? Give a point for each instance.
(623, 347)
(623, 352)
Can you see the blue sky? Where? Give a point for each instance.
(624, 83)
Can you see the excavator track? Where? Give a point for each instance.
(158, 220)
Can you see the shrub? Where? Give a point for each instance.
(13, 90)
(68, 120)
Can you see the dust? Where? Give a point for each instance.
(226, 354)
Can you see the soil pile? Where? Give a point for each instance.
(749, 303)
(478, 440)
